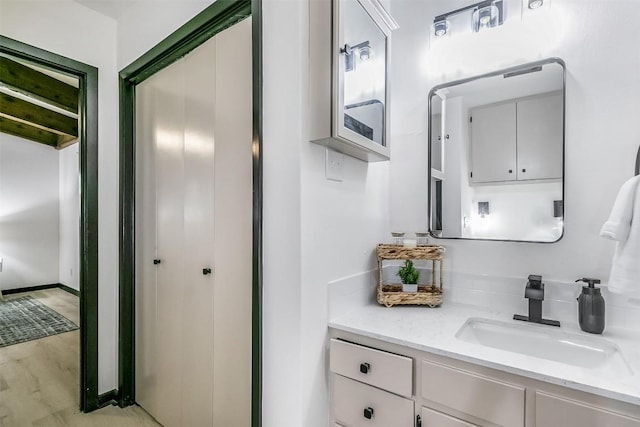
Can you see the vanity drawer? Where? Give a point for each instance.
(431, 418)
(356, 404)
(378, 368)
(558, 411)
(494, 401)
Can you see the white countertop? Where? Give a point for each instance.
(433, 330)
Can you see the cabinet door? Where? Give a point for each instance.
(485, 398)
(540, 137)
(558, 411)
(431, 418)
(356, 404)
(493, 143)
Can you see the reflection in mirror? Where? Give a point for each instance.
(496, 155)
(364, 73)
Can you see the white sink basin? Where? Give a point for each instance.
(546, 342)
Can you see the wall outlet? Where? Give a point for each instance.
(333, 165)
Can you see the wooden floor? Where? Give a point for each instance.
(39, 380)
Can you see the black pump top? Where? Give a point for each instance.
(590, 281)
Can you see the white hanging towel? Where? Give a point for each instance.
(623, 226)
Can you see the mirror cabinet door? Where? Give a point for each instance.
(497, 173)
(362, 74)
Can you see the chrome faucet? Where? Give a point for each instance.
(534, 292)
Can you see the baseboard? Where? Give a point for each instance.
(69, 289)
(40, 288)
(109, 398)
(29, 289)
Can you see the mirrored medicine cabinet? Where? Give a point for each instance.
(496, 155)
(350, 42)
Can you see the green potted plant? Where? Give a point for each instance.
(409, 276)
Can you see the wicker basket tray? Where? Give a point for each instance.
(390, 294)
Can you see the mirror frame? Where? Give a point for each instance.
(520, 67)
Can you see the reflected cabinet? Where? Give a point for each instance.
(350, 42)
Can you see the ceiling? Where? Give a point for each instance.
(111, 8)
(38, 104)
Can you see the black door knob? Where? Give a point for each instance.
(206, 271)
(156, 261)
(368, 413)
(364, 368)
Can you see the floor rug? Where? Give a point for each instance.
(25, 318)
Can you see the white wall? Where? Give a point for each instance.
(69, 196)
(69, 29)
(146, 23)
(601, 131)
(29, 229)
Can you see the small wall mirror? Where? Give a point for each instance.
(496, 155)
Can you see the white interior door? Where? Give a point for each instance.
(194, 172)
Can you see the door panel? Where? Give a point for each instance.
(146, 340)
(197, 344)
(233, 228)
(169, 138)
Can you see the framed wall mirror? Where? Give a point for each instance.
(496, 155)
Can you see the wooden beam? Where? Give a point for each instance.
(30, 82)
(26, 131)
(34, 115)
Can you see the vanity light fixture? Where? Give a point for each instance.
(483, 209)
(365, 52)
(534, 4)
(440, 27)
(486, 14)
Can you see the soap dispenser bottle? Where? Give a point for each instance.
(591, 307)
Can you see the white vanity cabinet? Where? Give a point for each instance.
(431, 390)
(370, 387)
(517, 140)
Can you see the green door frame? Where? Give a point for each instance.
(220, 15)
(88, 136)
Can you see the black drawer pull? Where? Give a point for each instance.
(156, 261)
(206, 271)
(368, 413)
(365, 368)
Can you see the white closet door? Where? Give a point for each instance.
(146, 337)
(199, 148)
(170, 180)
(233, 228)
(194, 165)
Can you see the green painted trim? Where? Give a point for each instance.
(41, 288)
(220, 15)
(109, 398)
(217, 17)
(256, 298)
(88, 132)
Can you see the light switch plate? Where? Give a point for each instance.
(333, 165)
